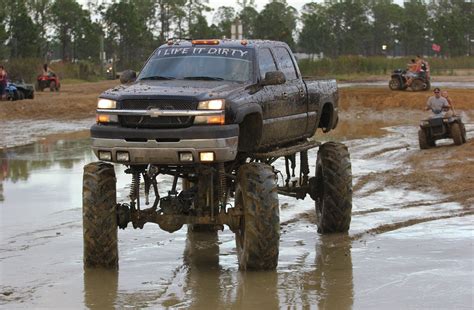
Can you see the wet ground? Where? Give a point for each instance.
(407, 248)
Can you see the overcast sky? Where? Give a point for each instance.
(297, 4)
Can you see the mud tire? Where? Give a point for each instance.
(423, 140)
(99, 216)
(21, 95)
(417, 85)
(258, 236)
(52, 86)
(333, 188)
(394, 84)
(427, 86)
(463, 131)
(456, 134)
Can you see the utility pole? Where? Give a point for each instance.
(236, 30)
(101, 55)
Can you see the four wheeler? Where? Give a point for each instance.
(19, 91)
(25, 91)
(50, 81)
(399, 81)
(436, 128)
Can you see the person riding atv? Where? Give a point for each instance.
(416, 76)
(443, 124)
(48, 79)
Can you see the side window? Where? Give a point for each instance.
(286, 63)
(265, 62)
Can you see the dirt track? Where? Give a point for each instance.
(78, 101)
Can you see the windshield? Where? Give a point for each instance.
(199, 63)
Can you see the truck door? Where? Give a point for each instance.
(273, 99)
(295, 93)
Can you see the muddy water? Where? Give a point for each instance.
(405, 249)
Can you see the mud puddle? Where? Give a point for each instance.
(21, 132)
(406, 248)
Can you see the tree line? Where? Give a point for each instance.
(128, 30)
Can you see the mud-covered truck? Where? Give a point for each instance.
(210, 118)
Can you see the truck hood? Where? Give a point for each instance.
(200, 90)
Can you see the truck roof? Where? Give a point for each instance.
(222, 43)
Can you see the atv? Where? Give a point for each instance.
(437, 128)
(24, 91)
(399, 81)
(50, 81)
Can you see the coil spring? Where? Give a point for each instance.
(135, 186)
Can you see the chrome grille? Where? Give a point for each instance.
(157, 122)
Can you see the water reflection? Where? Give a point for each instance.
(328, 283)
(325, 283)
(333, 277)
(100, 288)
(18, 164)
(201, 258)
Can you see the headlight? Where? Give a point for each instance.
(215, 104)
(106, 104)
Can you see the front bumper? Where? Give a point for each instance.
(163, 146)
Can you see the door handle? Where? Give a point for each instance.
(285, 95)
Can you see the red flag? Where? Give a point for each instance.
(436, 47)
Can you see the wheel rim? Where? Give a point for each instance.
(394, 84)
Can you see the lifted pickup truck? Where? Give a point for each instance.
(215, 115)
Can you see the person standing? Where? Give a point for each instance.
(3, 81)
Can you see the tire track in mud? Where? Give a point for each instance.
(384, 176)
(27, 240)
(399, 225)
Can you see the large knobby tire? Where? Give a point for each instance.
(423, 140)
(394, 84)
(258, 236)
(456, 134)
(418, 85)
(99, 216)
(463, 131)
(427, 85)
(333, 188)
(52, 86)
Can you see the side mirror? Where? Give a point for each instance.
(273, 78)
(128, 76)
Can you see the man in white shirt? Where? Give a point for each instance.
(437, 104)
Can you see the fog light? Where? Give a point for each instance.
(206, 156)
(123, 156)
(105, 155)
(186, 156)
(106, 118)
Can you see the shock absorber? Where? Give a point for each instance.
(222, 184)
(304, 169)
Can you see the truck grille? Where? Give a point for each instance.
(157, 122)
